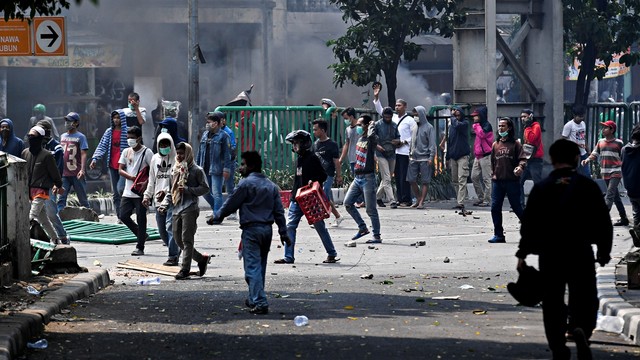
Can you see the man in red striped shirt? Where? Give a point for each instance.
(609, 151)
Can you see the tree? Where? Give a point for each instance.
(378, 37)
(20, 9)
(598, 30)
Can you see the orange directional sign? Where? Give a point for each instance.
(15, 38)
(49, 36)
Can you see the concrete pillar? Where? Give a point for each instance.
(18, 217)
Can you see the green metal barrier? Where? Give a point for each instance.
(89, 231)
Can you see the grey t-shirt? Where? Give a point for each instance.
(352, 137)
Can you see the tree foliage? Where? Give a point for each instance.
(379, 34)
(598, 30)
(21, 9)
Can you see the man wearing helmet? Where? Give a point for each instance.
(39, 112)
(75, 148)
(308, 169)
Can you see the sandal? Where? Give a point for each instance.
(331, 260)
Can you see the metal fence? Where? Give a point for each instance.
(626, 116)
(264, 128)
(4, 209)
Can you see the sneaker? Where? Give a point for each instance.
(380, 203)
(182, 275)
(393, 205)
(360, 234)
(137, 252)
(331, 260)
(497, 239)
(259, 310)
(338, 221)
(248, 304)
(375, 240)
(582, 344)
(202, 265)
(283, 261)
(622, 222)
(171, 262)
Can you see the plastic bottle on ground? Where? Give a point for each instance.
(301, 320)
(149, 281)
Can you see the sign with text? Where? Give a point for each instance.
(15, 38)
(49, 36)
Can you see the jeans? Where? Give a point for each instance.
(586, 169)
(403, 188)
(117, 187)
(78, 186)
(37, 212)
(481, 178)
(459, 174)
(52, 213)
(229, 184)
(635, 212)
(326, 187)
(127, 206)
(500, 189)
(385, 192)
(165, 228)
(532, 171)
(184, 231)
(256, 241)
(214, 196)
(612, 196)
(363, 185)
(293, 218)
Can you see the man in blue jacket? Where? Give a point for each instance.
(9, 142)
(214, 156)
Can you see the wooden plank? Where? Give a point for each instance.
(149, 267)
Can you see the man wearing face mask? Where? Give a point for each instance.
(214, 157)
(132, 159)
(9, 143)
(308, 169)
(43, 175)
(39, 112)
(134, 113)
(389, 139)
(532, 143)
(421, 155)
(364, 182)
(75, 148)
(51, 206)
(112, 143)
(159, 186)
(458, 151)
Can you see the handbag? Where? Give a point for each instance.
(142, 179)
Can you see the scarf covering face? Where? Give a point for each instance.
(180, 172)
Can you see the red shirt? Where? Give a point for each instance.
(115, 149)
(533, 136)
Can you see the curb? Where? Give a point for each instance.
(612, 303)
(17, 329)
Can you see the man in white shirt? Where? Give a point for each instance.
(576, 131)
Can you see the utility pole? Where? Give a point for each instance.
(194, 74)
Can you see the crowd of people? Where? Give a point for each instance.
(400, 147)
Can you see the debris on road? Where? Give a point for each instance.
(446, 260)
(366, 276)
(456, 297)
(466, 287)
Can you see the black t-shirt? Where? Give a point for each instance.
(326, 151)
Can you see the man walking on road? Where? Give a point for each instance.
(553, 203)
(388, 140)
(421, 155)
(258, 200)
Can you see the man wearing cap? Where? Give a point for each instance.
(112, 143)
(43, 175)
(532, 143)
(39, 112)
(75, 148)
(609, 151)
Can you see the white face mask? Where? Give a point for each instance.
(132, 142)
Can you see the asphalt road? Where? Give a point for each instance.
(396, 314)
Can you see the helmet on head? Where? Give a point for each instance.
(40, 108)
(300, 136)
(72, 116)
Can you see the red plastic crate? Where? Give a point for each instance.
(313, 203)
(285, 197)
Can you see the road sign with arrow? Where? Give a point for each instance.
(50, 36)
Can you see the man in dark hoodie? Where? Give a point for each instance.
(9, 142)
(631, 179)
(481, 169)
(458, 151)
(43, 174)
